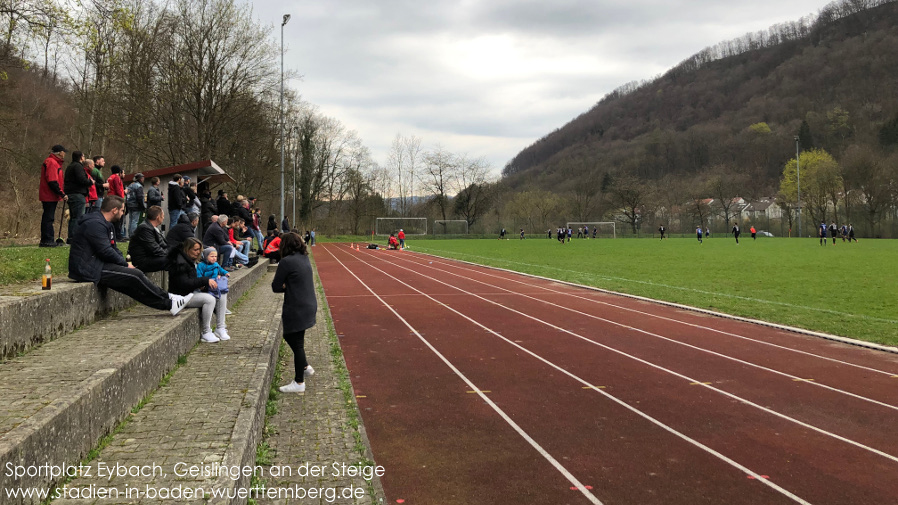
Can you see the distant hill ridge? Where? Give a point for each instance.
(837, 72)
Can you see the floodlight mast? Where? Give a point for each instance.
(281, 110)
(798, 181)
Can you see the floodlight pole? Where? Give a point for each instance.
(798, 181)
(295, 149)
(286, 18)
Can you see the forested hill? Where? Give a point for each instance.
(739, 105)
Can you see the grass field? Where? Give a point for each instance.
(843, 289)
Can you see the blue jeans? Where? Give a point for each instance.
(258, 235)
(173, 214)
(77, 203)
(133, 218)
(224, 254)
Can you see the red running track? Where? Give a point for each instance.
(483, 386)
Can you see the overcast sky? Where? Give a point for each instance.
(488, 78)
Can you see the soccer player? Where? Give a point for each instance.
(698, 234)
(821, 232)
(736, 232)
(661, 231)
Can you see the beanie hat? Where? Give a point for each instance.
(207, 251)
(57, 149)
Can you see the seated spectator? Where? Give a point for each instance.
(241, 247)
(94, 257)
(273, 248)
(217, 237)
(183, 279)
(148, 249)
(183, 230)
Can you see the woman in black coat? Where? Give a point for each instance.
(182, 279)
(272, 224)
(294, 279)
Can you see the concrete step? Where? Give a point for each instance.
(60, 399)
(208, 416)
(31, 317)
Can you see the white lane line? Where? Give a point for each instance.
(665, 318)
(655, 335)
(659, 367)
(598, 389)
(680, 288)
(573, 480)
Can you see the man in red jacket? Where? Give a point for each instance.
(51, 191)
(401, 239)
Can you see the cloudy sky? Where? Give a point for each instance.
(488, 78)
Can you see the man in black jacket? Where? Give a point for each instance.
(147, 247)
(182, 231)
(223, 204)
(94, 257)
(175, 200)
(77, 185)
(135, 203)
(217, 236)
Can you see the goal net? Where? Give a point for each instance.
(602, 229)
(410, 225)
(450, 227)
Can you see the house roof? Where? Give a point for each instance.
(207, 171)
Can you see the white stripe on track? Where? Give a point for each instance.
(659, 367)
(697, 348)
(595, 388)
(681, 288)
(558, 466)
(665, 318)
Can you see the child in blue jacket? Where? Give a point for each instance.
(210, 268)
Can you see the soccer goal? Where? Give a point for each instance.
(603, 229)
(410, 225)
(450, 227)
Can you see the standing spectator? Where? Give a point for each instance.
(272, 224)
(76, 186)
(92, 190)
(95, 258)
(147, 248)
(294, 278)
(117, 188)
(154, 194)
(754, 232)
(50, 192)
(736, 232)
(99, 182)
(312, 233)
(698, 234)
(176, 201)
(401, 238)
(207, 210)
(191, 199)
(285, 225)
(135, 204)
(183, 279)
(223, 204)
(252, 223)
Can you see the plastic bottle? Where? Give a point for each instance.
(47, 278)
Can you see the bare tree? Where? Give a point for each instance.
(440, 167)
(474, 199)
(628, 197)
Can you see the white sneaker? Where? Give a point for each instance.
(293, 387)
(209, 337)
(309, 371)
(228, 312)
(222, 334)
(178, 302)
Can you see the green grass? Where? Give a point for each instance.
(20, 264)
(846, 289)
